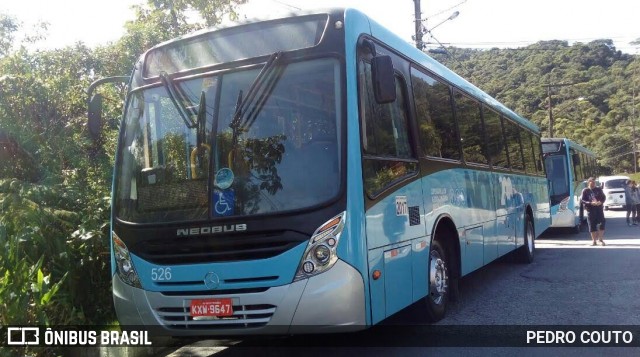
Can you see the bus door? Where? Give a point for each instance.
(393, 199)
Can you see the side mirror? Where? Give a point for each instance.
(95, 104)
(384, 82)
(95, 115)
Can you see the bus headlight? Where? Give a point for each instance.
(320, 254)
(124, 265)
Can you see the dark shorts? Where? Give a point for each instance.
(595, 218)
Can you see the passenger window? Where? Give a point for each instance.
(385, 136)
(513, 145)
(538, 155)
(496, 150)
(527, 150)
(471, 132)
(384, 126)
(437, 130)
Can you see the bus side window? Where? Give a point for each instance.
(537, 153)
(528, 151)
(385, 136)
(513, 145)
(496, 149)
(471, 131)
(437, 130)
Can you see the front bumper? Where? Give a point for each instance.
(565, 218)
(333, 301)
(615, 200)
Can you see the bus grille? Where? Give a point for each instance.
(244, 316)
(216, 249)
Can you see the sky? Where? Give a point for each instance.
(480, 24)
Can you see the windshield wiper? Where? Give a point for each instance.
(178, 100)
(202, 119)
(201, 131)
(248, 108)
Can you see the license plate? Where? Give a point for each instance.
(212, 307)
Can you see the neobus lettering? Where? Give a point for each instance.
(196, 231)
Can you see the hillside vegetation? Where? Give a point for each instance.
(592, 87)
(54, 181)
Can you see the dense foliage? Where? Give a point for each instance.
(55, 183)
(592, 90)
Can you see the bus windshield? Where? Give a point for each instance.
(558, 176)
(616, 183)
(283, 155)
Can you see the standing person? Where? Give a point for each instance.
(635, 195)
(629, 204)
(593, 199)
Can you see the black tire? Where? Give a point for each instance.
(439, 290)
(526, 253)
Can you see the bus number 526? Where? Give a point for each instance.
(160, 274)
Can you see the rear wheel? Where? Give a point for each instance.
(526, 253)
(439, 279)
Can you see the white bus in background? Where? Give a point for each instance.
(568, 165)
(613, 188)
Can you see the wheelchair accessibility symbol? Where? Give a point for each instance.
(223, 203)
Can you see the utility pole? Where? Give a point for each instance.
(418, 24)
(549, 86)
(550, 111)
(633, 122)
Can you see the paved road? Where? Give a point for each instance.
(569, 283)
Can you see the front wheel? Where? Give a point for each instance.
(439, 280)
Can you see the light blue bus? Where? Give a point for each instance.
(568, 165)
(313, 173)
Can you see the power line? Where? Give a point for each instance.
(468, 73)
(618, 147)
(443, 11)
(623, 154)
(287, 5)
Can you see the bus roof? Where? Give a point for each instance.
(570, 143)
(248, 21)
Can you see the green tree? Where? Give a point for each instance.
(598, 104)
(54, 224)
(8, 27)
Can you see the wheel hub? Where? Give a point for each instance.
(438, 279)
